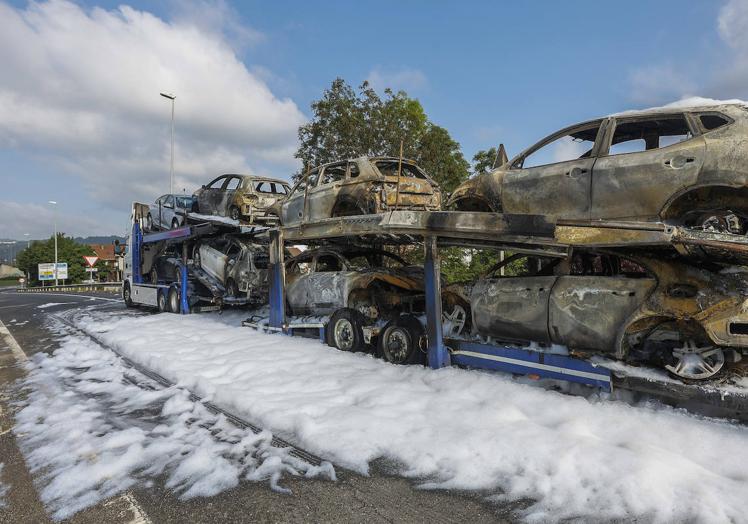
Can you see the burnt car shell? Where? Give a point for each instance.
(247, 198)
(610, 303)
(324, 280)
(684, 164)
(357, 187)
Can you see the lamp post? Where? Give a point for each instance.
(171, 97)
(54, 218)
(28, 243)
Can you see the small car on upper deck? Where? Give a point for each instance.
(359, 187)
(686, 164)
(246, 198)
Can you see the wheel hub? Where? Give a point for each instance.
(454, 322)
(343, 334)
(397, 344)
(696, 362)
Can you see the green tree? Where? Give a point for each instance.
(41, 252)
(349, 123)
(486, 159)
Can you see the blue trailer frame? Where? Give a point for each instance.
(470, 354)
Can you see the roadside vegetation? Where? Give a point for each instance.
(348, 123)
(43, 251)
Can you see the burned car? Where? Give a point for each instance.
(359, 187)
(687, 319)
(686, 165)
(241, 267)
(356, 286)
(246, 198)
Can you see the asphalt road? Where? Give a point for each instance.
(352, 498)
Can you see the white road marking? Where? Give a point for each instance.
(12, 344)
(139, 514)
(75, 296)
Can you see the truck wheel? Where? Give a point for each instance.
(154, 276)
(126, 295)
(344, 330)
(234, 213)
(399, 341)
(174, 304)
(163, 304)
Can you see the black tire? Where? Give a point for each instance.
(234, 213)
(175, 306)
(153, 275)
(174, 223)
(399, 341)
(163, 302)
(127, 295)
(344, 330)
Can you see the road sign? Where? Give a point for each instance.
(47, 271)
(91, 260)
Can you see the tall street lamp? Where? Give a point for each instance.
(171, 178)
(54, 218)
(28, 243)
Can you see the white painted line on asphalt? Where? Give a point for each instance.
(76, 296)
(139, 514)
(18, 305)
(12, 344)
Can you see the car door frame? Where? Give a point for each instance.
(204, 202)
(321, 198)
(490, 287)
(640, 167)
(528, 191)
(596, 318)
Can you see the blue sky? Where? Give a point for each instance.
(489, 72)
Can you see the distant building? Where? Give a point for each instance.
(107, 263)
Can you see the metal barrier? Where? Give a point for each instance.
(105, 287)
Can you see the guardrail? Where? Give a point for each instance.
(102, 287)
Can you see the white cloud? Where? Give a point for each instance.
(39, 220)
(81, 87)
(405, 79)
(723, 74)
(652, 84)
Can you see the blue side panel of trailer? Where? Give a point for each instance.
(522, 361)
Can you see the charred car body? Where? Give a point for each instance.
(357, 287)
(685, 165)
(241, 197)
(359, 187)
(240, 266)
(691, 321)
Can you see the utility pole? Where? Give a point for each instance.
(171, 178)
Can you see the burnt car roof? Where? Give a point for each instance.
(716, 106)
(258, 178)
